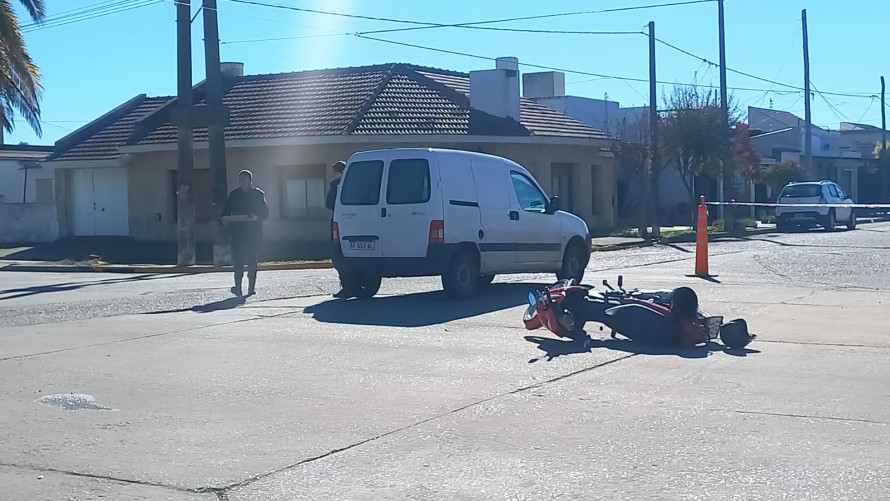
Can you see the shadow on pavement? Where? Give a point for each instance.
(71, 286)
(225, 304)
(421, 309)
(555, 348)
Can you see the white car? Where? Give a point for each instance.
(815, 192)
(411, 212)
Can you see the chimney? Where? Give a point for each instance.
(544, 84)
(496, 91)
(232, 69)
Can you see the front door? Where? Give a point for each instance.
(563, 180)
(409, 207)
(359, 209)
(100, 202)
(540, 232)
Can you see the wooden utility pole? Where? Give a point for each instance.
(726, 171)
(653, 201)
(185, 173)
(808, 118)
(216, 128)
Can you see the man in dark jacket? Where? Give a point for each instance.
(346, 289)
(246, 200)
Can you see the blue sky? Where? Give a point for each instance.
(92, 64)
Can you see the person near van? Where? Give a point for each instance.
(330, 203)
(246, 200)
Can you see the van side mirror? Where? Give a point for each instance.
(554, 204)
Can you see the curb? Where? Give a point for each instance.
(161, 269)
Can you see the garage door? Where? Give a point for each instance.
(100, 203)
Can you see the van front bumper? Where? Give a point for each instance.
(436, 261)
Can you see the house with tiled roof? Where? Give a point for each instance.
(119, 172)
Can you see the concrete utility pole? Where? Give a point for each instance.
(185, 200)
(808, 140)
(652, 202)
(726, 174)
(216, 128)
(881, 153)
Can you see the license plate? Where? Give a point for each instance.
(362, 245)
(712, 324)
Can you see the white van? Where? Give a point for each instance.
(412, 212)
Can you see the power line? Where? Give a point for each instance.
(544, 67)
(420, 25)
(85, 14)
(755, 77)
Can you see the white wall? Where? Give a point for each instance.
(28, 223)
(12, 180)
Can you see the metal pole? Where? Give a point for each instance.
(25, 187)
(808, 140)
(724, 105)
(185, 200)
(216, 134)
(653, 131)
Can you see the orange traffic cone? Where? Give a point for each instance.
(701, 241)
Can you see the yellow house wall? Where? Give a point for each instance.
(151, 198)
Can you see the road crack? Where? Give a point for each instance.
(222, 491)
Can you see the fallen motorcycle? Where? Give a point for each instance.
(671, 317)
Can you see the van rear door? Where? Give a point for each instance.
(412, 201)
(359, 208)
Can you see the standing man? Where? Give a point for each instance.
(330, 203)
(249, 203)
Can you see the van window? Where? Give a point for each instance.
(409, 182)
(530, 197)
(361, 185)
(802, 191)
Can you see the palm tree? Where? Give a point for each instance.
(20, 86)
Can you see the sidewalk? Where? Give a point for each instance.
(124, 255)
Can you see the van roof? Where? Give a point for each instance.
(444, 151)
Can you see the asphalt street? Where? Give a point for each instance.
(165, 387)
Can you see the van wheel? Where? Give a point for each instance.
(851, 224)
(485, 280)
(369, 286)
(462, 278)
(573, 263)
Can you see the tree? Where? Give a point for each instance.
(693, 134)
(780, 174)
(20, 82)
(632, 153)
(745, 157)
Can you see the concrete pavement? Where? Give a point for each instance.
(407, 396)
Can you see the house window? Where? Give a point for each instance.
(202, 194)
(44, 191)
(303, 191)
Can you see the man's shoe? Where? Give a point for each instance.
(251, 292)
(345, 294)
(236, 291)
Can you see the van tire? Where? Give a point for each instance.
(573, 263)
(851, 224)
(369, 286)
(462, 278)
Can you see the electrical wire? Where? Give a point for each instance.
(87, 14)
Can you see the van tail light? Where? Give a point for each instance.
(335, 232)
(437, 232)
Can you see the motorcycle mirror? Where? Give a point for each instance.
(620, 282)
(532, 299)
(606, 284)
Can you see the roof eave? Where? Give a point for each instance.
(353, 139)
